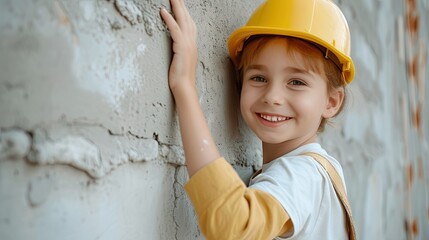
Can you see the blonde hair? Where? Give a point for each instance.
(311, 54)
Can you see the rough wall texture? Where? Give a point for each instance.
(89, 142)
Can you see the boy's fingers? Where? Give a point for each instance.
(182, 23)
(186, 23)
(183, 18)
(171, 23)
(179, 11)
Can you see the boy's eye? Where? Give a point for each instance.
(258, 79)
(297, 82)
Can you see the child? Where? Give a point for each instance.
(293, 63)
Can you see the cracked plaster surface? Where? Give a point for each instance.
(50, 146)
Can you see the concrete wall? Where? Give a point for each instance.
(89, 142)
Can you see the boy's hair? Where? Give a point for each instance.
(312, 56)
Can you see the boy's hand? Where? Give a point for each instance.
(183, 33)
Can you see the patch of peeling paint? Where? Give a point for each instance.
(14, 144)
(70, 150)
(141, 12)
(129, 10)
(47, 147)
(112, 74)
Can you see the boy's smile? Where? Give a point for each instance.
(272, 119)
(281, 101)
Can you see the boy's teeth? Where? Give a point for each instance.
(273, 118)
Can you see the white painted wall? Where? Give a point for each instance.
(89, 142)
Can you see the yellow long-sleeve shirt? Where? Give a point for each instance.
(227, 209)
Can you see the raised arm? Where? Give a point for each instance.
(198, 143)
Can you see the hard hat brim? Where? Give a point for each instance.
(239, 36)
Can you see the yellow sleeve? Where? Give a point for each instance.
(227, 209)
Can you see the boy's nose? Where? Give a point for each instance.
(274, 95)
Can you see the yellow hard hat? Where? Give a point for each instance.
(318, 21)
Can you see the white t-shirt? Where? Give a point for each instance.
(304, 189)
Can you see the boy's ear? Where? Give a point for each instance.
(334, 103)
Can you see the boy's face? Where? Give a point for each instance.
(281, 101)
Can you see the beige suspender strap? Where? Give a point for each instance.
(339, 189)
